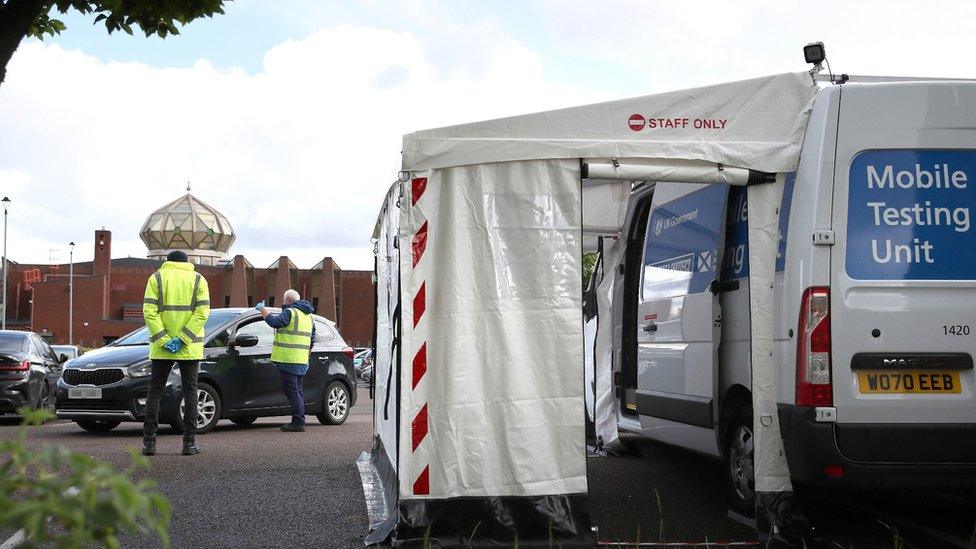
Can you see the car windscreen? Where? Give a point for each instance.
(12, 343)
(67, 350)
(141, 336)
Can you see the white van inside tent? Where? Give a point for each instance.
(478, 410)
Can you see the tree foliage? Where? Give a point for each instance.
(589, 263)
(61, 498)
(22, 18)
(158, 17)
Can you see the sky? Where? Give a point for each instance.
(287, 116)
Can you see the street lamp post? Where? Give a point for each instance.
(71, 293)
(6, 205)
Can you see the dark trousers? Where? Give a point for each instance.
(292, 384)
(157, 382)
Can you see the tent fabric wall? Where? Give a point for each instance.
(604, 206)
(605, 417)
(772, 473)
(378, 468)
(491, 399)
(385, 386)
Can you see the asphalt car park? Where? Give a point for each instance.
(255, 486)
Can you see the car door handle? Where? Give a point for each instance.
(650, 326)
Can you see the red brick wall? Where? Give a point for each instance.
(126, 285)
(358, 308)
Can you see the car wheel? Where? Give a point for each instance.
(740, 473)
(208, 410)
(335, 408)
(97, 425)
(243, 421)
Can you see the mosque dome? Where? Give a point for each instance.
(190, 225)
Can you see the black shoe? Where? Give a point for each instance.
(190, 449)
(293, 428)
(149, 446)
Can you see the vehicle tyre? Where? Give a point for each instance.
(243, 421)
(739, 465)
(335, 405)
(208, 409)
(97, 425)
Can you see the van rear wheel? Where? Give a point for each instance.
(739, 462)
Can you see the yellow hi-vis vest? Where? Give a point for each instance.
(176, 304)
(293, 343)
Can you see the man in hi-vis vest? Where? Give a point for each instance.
(176, 307)
(294, 335)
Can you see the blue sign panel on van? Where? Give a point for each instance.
(681, 244)
(908, 215)
(735, 263)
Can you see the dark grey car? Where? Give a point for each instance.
(103, 388)
(29, 368)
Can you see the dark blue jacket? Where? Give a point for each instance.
(282, 319)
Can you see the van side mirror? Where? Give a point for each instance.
(62, 358)
(245, 341)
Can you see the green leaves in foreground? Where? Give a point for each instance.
(63, 498)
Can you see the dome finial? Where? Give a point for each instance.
(187, 187)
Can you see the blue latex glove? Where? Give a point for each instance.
(260, 305)
(173, 345)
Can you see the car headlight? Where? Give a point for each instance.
(141, 369)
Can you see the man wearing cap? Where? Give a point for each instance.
(176, 306)
(294, 334)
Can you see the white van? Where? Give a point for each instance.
(875, 320)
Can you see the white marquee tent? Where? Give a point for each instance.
(478, 412)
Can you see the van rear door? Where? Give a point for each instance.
(903, 282)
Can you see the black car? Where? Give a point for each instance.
(102, 388)
(29, 368)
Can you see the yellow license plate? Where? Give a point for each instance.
(875, 382)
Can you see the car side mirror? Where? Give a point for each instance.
(63, 358)
(245, 341)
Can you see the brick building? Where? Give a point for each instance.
(108, 292)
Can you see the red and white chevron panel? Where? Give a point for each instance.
(419, 462)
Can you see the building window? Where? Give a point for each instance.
(270, 301)
(226, 301)
(315, 303)
(250, 301)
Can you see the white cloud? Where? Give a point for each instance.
(298, 156)
(681, 44)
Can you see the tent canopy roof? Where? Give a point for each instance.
(756, 124)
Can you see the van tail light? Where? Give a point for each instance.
(813, 386)
(15, 366)
(349, 352)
